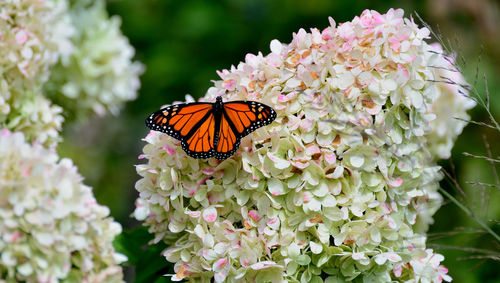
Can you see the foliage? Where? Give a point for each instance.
(146, 259)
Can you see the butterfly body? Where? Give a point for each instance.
(211, 129)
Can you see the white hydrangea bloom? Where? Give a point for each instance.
(99, 76)
(51, 227)
(340, 186)
(450, 107)
(33, 34)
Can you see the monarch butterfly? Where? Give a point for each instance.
(208, 129)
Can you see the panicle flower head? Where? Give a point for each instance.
(99, 75)
(33, 34)
(341, 185)
(51, 226)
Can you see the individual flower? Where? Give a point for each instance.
(341, 186)
(51, 227)
(425, 267)
(33, 34)
(99, 75)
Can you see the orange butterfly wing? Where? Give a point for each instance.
(247, 116)
(201, 143)
(239, 119)
(191, 123)
(228, 141)
(205, 131)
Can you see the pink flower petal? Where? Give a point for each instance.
(194, 214)
(170, 150)
(210, 214)
(221, 262)
(262, 265)
(443, 269)
(331, 158)
(272, 220)
(21, 36)
(395, 183)
(398, 269)
(208, 171)
(253, 214)
(306, 124)
(228, 84)
(386, 208)
(307, 196)
(301, 165)
(390, 222)
(311, 150)
(23, 66)
(25, 172)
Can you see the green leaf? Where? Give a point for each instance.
(314, 270)
(303, 260)
(291, 268)
(153, 265)
(322, 260)
(332, 279)
(131, 243)
(333, 250)
(150, 265)
(316, 279)
(306, 277)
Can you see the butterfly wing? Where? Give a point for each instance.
(239, 119)
(228, 140)
(201, 143)
(247, 116)
(191, 123)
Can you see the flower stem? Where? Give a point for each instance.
(471, 214)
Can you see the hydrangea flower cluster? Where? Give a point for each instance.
(33, 34)
(77, 55)
(99, 75)
(51, 227)
(50, 224)
(341, 186)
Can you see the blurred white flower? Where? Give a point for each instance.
(341, 185)
(51, 226)
(33, 34)
(99, 75)
(451, 105)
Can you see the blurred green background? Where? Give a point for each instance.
(183, 43)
